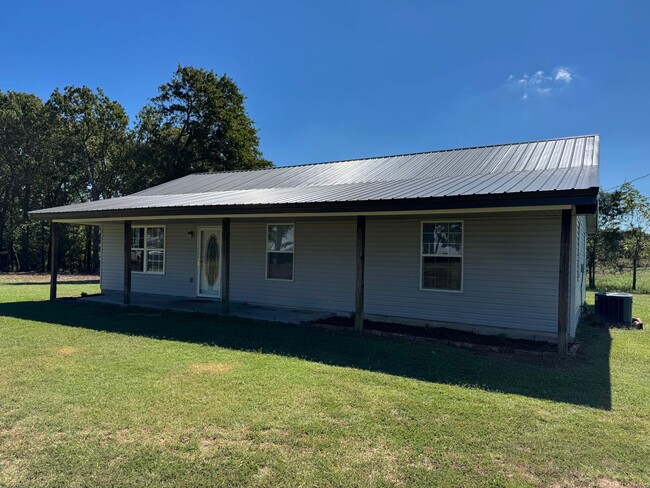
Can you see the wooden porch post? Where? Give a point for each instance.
(361, 259)
(54, 258)
(127, 262)
(225, 273)
(563, 285)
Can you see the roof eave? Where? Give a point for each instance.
(585, 202)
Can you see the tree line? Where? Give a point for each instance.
(622, 241)
(79, 145)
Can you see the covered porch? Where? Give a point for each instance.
(209, 306)
(333, 277)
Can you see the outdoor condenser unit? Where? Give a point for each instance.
(614, 308)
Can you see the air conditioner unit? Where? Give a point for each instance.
(614, 308)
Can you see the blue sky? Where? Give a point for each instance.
(345, 79)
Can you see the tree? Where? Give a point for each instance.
(93, 134)
(23, 133)
(622, 239)
(604, 246)
(93, 143)
(197, 122)
(635, 220)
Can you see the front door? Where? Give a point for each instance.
(209, 263)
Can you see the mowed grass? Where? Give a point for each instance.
(107, 396)
(615, 281)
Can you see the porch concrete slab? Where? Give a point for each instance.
(205, 305)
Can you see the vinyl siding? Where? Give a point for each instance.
(510, 269)
(510, 273)
(179, 278)
(111, 274)
(324, 266)
(579, 253)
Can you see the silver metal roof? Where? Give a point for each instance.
(541, 166)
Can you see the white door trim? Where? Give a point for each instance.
(199, 254)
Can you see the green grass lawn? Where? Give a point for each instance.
(108, 396)
(615, 281)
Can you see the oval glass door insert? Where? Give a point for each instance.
(212, 261)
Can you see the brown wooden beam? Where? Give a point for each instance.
(54, 258)
(127, 262)
(361, 258)
(225, 272)
(563, 285)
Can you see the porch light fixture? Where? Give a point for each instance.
(190, 234)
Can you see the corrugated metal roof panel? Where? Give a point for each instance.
(552, 165)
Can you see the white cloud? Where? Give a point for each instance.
(563, 74)
(541, 83)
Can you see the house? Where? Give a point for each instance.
(488, 239)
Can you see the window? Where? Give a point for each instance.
(279, 251)
(442, 256)
(148, 249)
(578, 239)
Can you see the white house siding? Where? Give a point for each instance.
(510, 269)
(179, 278)
(579, 265)
(510, 273)
(324, 265)
(111, 276)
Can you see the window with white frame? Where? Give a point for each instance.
(279, 251)
(148, 249)
(578, 239)
(442, 256)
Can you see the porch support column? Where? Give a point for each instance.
(127, 262)
(225, 272)
(563, 285)
(361, 259)
(54, 258)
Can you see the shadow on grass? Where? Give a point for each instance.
(584, 380)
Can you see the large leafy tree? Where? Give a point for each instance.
(197, 122)
(93, 143)
(93, 139)
(23, 161)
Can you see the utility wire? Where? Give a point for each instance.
(634, 179)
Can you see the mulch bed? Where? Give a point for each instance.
(444, 335)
